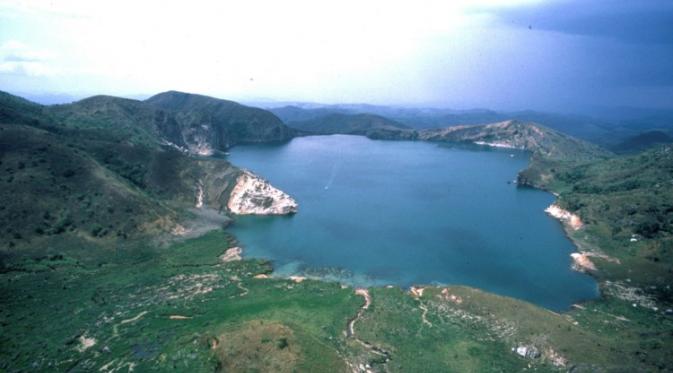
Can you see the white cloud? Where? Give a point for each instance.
(435, 51)
(19, 58)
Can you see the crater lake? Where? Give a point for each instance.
(409, 213)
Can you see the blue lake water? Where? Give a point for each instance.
(403, 213)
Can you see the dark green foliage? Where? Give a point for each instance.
(53, 299)
(372, 126)
(86, 186)
(649, 226)
(65, 191)
(227, 123)
(15, 109)
(643, 141)
(91, 165)
(626, 202)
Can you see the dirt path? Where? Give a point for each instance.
(133, 319)
(416, 293)
(350, 329)
(244, 290)
(424, 315)
(237, 282)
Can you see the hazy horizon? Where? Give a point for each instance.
(559, 55)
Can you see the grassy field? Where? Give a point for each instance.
(92, 279)
(180, 308)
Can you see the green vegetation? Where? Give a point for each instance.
(372, 126)
(76, 183)
(108, 169)
(462, 329)
(92, 278)
(220, 123)
(180, 308)
(176, 308)
(15, 109)
(626, 205)
(52, 187)
(543, 142)
(643, 141)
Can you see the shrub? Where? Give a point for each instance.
(648, 227)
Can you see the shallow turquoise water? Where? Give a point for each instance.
(403, 213)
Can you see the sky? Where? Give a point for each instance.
(560, 55)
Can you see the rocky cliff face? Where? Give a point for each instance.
(253, 195)
(206, 124)
(196, 124)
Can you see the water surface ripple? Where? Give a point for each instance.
(403, 213)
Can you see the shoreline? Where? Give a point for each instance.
(591, 270)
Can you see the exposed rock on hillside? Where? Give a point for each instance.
(231, 255)
(206, 123)
(517, 135)
(581, 262)
(107, 170)
(188, 122)
(565, 216)
(255, 196)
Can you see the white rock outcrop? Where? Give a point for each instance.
(565, 216)
(231, 255)
(582, 263)
(85, 343)
(530, 352)
(253, 195)
(199, 195)
(500, 144)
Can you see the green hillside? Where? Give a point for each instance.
(626, 204)
(372, 126)
(116, 118)
(14, 109)
(95, 276)
(96, 172)
(539, 140)
(220, 123)
(52, 187)
(643, 141)
(181, 308)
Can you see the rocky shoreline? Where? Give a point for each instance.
(567, 217)
(253, 195)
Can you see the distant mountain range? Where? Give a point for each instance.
(606, 129)
(643, 141)
(516, 134)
